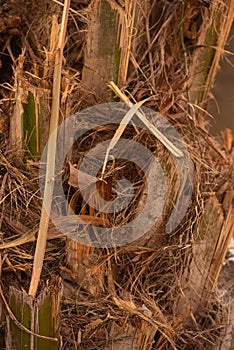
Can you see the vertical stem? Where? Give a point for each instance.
(210, 48)
(51, 153)
(102, 50)
(16, 120)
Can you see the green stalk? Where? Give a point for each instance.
(207, 56)
(102, 55)
(30, 127)
(34, 324)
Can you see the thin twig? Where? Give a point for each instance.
(168, 144)
(51, 153)
(122, 126)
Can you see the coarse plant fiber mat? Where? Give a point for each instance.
(131, 290)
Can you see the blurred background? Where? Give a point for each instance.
(222, 106)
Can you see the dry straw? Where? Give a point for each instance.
(51, 154)
(140, 286)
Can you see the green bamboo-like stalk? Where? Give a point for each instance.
(102, 50)
(21, 306)
(109, 40)
(35, 122)
(46, 318)
(37, 326)
(30, 130)
(210, 47)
